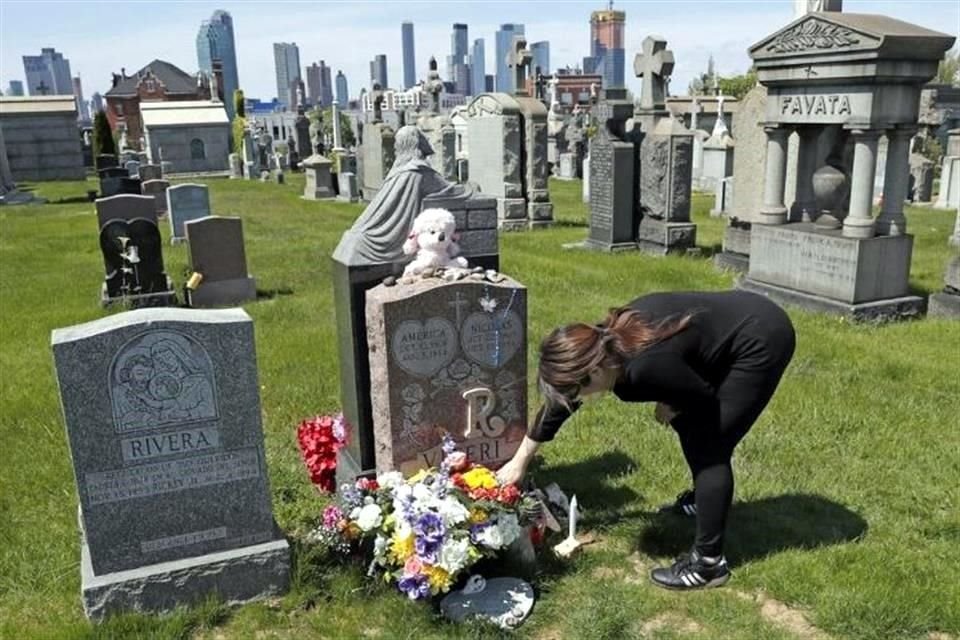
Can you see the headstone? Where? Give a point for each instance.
(373, 249)
(110, 180)
(585, 187)
(251, 156)
(949, 196)
(614, 214)
(217, 253)
(133, 168)
(236, 166)
(132, 252)
(157, 189)
(319, 182)
(186, 202)
(151, 172)
(378, 154)
(347, 187)
(131, 186)
(844, 261)
(946, 303)
(505, 602)
(447, 357)
(722, 197)
(106, 160)
(162, 414)
(921, 178)
(665, 159)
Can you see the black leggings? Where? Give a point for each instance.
(763, 349)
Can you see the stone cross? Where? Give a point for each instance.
(459, 303)
(519, 59)
(654, 65)
(376, 99)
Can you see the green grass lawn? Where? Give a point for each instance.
(846, 522)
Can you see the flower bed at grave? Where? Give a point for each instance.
(425, 532)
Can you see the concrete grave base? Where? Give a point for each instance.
(511, 209)
(658, 237)
(595, 245)
(513, 225)
(891, 309)
(235, 576)
(540, 212)
(221, 293)
(944, 305)
(730, 261)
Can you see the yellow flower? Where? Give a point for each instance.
(401, 548)
(478, 515)
(480, 478)
(418, 477)
(439, 580)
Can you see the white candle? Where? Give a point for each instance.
(572, 532)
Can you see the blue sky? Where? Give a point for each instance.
(101, 37)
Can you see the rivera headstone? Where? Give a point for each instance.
(162, 413)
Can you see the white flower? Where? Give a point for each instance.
(390, 479)
(454, 555)
(490, 537)
(380, 547)
(452, 512)
(368, 517)
(509, 528)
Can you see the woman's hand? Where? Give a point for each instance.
(514, 470)
(664, 413)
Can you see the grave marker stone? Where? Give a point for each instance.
(217, 253)
(158, 190)
(162, 415)
(151, 172)
(447, 357)
(186, 202)
(133, 168)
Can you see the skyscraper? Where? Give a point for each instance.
(313, 84)
(326, 85)
(606, 47)
(96, 103)
(15, 88)
(457, 71)
(343, 95)
(286, 59)
(478, 72)
(215, 42)
(409, 59)
(504, 42)
(541, 56)
(48, 74)
(378, 71)
(83, 113)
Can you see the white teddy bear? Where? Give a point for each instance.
(434, 240)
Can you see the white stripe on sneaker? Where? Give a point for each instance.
(699, 578)
(685, 579)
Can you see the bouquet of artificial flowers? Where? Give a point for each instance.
(426, 531)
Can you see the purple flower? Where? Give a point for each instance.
(415, 586)
(429, 532)
(476, 530)
(449, 446)
(350, 496)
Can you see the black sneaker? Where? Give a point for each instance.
(684, 505)
(691, 571)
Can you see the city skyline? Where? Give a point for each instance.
(376, 25)
(216, 41)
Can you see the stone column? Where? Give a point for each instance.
(804, 208)
(335, 114)
(773, 211)
(896, 182)
(859, 222)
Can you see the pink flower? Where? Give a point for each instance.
(413, 566)
(332, 516)
(457, 461)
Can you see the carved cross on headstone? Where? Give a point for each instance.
(459, 303)
(654, 65)
(519, 59)
(42, 88)
(376, 99)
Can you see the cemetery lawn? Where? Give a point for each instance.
(846, 522)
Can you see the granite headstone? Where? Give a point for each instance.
(157, 189)
(217, 253)
(186, 202)
(162, 414)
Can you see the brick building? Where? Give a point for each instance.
(159, 81)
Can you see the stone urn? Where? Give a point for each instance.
(830, 186)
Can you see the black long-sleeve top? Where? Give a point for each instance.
(684, 370)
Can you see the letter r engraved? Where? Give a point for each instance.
(480, 404)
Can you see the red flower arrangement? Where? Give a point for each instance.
(320, 438)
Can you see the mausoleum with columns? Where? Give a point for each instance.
(841, 80)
